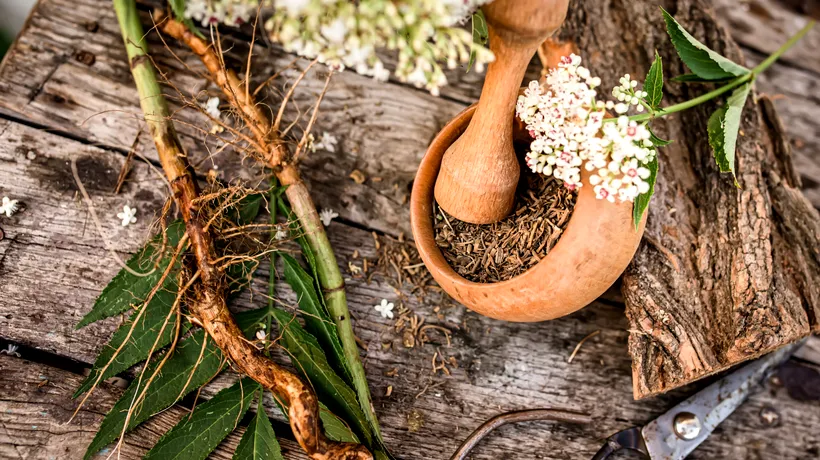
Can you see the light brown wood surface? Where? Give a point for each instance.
(53, 264)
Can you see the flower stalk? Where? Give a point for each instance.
(207, 303)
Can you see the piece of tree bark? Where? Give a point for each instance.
(724, 274)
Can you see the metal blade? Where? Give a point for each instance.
(675, 434)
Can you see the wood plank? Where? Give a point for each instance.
(36, 406)
(514, 366)
(764, 25)
(383, 129)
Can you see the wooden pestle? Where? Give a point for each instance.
(479, 172)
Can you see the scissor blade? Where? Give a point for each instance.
(710, 406)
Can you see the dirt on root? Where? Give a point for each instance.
(497, 252)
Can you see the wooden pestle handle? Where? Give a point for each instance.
(479, 172)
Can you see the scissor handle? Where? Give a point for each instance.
(629, 439)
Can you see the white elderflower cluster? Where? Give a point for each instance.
(341, 33)
(566, 121)
(230, 12)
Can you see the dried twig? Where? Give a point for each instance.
(531, 415)
(578, 347)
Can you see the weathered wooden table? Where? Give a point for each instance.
(66, 92)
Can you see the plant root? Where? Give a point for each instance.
(269, 148)
(207, 301)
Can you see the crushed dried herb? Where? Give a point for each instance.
(497, 252)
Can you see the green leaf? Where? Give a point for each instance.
(642, 201)
(259, 441)
(335, 428)
(299, 237)
(126, 289)
(317, 320)
(190, 366)
(178, 8)
(247, 209)
(692, 78)
(703, 62)
(653, 85)
(723, 129)
(194, 437)
(480, 35)
(156, 317)
(657, 141)
(310, 360)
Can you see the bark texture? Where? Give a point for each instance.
(724, 274)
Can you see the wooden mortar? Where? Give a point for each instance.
(595, 248)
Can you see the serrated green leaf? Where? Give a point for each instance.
(703, 62)
(190, 366)
(723, 129)
(657, 141)
(480, 35)
(144, 337)
(653, 85)
(692, 78)
(126, 290)
(259, 441)
(194, 437)
(317, 320)
(310, 360)
(335, 428)
(641, 202)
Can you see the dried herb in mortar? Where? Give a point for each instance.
(496, 252)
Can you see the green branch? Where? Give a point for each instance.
(728, 86)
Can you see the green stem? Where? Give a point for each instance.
(789, 43)
(696, 101)
(273, 196)
(728, 86)
(333, 287)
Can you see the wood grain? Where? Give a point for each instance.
(52, 264)
(383, 129)
(501, 366)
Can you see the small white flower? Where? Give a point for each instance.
(385, 308)
(327, 215)
(326, 142)
(212, 107)
(379, 72)
(9, 206)
(128, 215)
(261, 335)
(335, 32)
(12, 349)
(280, 234)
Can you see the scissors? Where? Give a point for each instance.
(675, 434)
